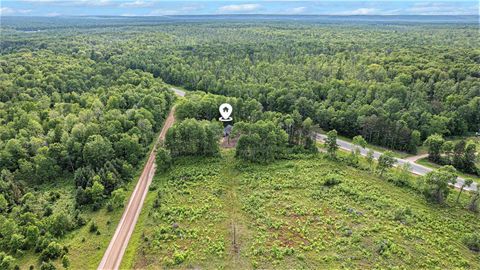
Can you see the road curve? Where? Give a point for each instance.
(113, 255)
(415, 168)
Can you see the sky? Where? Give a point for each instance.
(286, 7)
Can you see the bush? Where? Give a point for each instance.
(93, 227)
(332, 179)
(472, 241)
(47, 266)
(6, 261)
(53, 251)
(163, 160)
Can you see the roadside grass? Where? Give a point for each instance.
(285, 216)
(396, 153)
(427, 163)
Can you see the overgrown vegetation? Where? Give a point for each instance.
(307, 212)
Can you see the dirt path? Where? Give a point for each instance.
(114, 253)
(238, 231)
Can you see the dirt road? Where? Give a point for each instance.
(114, 253)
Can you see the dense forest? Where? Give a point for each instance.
(393, 85)
(68, 117)
(82, 100)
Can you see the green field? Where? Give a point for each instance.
(222, 213)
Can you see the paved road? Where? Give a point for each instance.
(114, 253)
(415, 168)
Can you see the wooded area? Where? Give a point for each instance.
(81, 102)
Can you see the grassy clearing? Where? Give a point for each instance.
(283, 216)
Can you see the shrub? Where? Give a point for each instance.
(332, 179)
(53, 251)
(163, 160)
(93, 227)
(47, 266)
(472, 241)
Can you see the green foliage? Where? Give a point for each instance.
(7, 262)
(66, 117)
(52, 252)
(193, 137)
(436, 183)
(434, 144)
(284, 215)
(461, 154)
(47, 266)
(331, 143)
(163, 159)
(93, 228)
(332, 179)
(3, 203)
(472, 241)
(65, 261)
(262, 141)
(117, 199)
(385, 162)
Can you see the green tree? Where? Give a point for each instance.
(447, 148)
(466, 183)
(7, 262)
(469, 157)
(96, 191)
(415, 141)
(3, 203)
(53, 251)
(65, 261)
(97, 151)
(262, 141)
(475, 197)
(117, 198)
(434, 144)
(436, 183)
(370, 156)
(385, 162)
(163, 159)
(331, 143)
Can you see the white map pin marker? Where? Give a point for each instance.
(225, 110)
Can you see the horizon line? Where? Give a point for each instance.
(240, 14)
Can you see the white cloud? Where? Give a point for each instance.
(136, 4)
(239, 8)
(10, 11)
(362, 11)
(438, 8)
(6, 11)
(83, 3)
(297, 10)
(163, 12)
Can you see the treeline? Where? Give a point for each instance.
(262, 135)
(61, 118)
(461, 154)
(393, 85)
